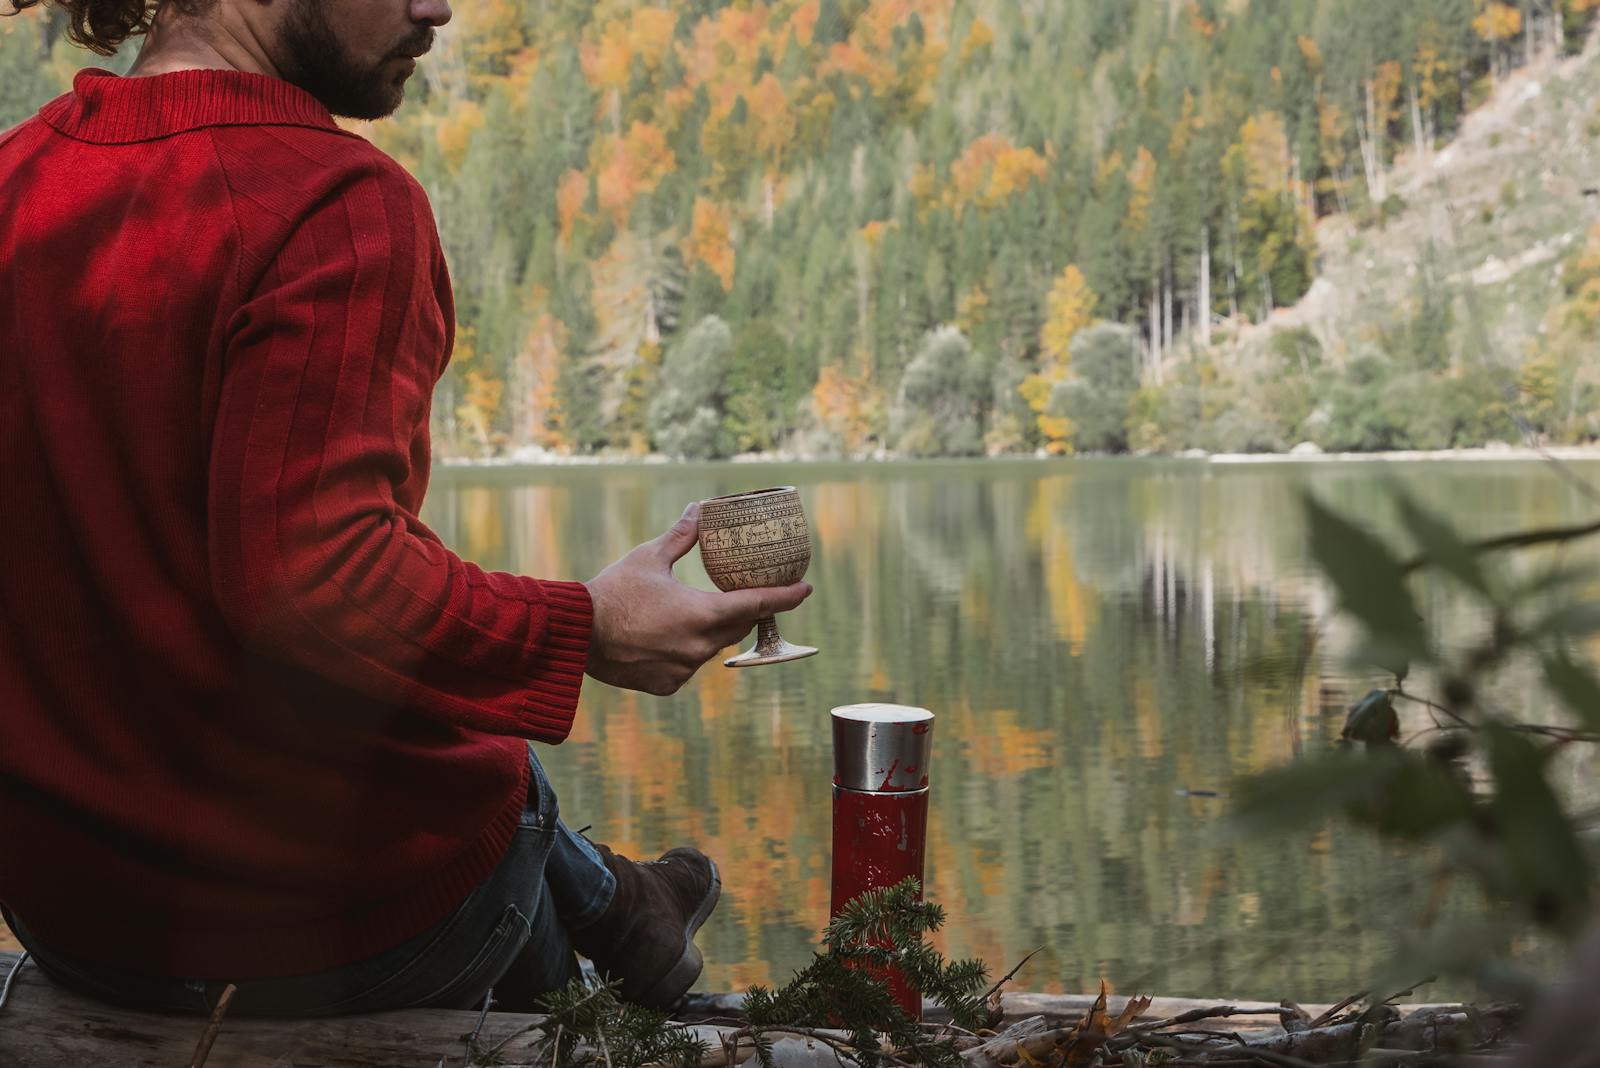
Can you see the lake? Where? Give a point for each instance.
(1098, 639)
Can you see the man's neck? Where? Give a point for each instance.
(216, 41)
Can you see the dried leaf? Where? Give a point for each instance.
(1086, 1039)
(1130, 1012)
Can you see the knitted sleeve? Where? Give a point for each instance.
(317, 555)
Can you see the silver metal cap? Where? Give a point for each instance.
(882, 748)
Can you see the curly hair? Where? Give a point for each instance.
(102, 25)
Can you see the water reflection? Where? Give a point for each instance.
(1095, 638)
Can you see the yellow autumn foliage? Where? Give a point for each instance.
(479, 404)
(454, 132)
(979, 37)
(1497, 21)
(1068, 309)
(1142, 186)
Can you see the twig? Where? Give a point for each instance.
(987, 994)
(209, 1035)
(1431, 706)
(518, 1033)
(472, 1039)
(11, 978)
(1408, 991)
(1131, 1035)
(1006, 978)
(730, 1042)
(542, 1024)
(1328, 1016)
(1284, 1060)
(1519, 540)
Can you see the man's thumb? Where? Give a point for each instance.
(680, 537)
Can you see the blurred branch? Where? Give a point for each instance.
(1520, 540)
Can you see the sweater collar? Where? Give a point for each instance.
(108, 108)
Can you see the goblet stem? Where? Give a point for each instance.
(769, 648)
(767, 640)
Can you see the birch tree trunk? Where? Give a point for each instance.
(1420, 135)
(1370, 139)
(1166, 311)
(1205, 285)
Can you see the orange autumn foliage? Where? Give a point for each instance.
(992, 169)
(804, 21)
(710, 241)
(771, 119)
(570, 196)
(630, 166)
(846, 404)
(540, 359)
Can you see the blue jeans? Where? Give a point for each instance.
(510, 934)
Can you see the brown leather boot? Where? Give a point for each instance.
(645, 938)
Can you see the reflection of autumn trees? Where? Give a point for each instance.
(1020, 602)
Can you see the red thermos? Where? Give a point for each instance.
(880, 805)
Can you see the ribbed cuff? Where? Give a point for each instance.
(553, 689)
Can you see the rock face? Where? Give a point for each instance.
(1306, 448)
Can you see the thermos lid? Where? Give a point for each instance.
(882, 748)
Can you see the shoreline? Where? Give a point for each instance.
(1299, 455)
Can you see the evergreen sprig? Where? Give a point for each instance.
(847, 987)
(588, 1024)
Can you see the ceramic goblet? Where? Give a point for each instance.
(749, 540)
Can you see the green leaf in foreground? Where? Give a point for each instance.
(1370, 582)
(1389, 788)
(1576, 687)
(1441, 546)
(1544, 865)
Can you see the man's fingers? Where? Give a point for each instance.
(766, 601)
(680, 537)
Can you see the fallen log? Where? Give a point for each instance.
(44, 1026)
(1059, 1010)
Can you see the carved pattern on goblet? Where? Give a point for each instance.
(749, 540)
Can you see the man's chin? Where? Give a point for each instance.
(377, 105)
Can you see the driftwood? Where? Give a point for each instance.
(43, 1026)
(1059, 1010)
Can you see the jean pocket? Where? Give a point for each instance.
(466, 989)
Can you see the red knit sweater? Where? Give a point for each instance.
(255, 719)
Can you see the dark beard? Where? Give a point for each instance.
(314, 60)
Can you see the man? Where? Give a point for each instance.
(257, 724)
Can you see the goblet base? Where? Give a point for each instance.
(758, 655)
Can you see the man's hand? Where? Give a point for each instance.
(651, 632)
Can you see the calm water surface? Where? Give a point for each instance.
(1095, 638)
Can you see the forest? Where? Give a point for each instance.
(706, 228)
